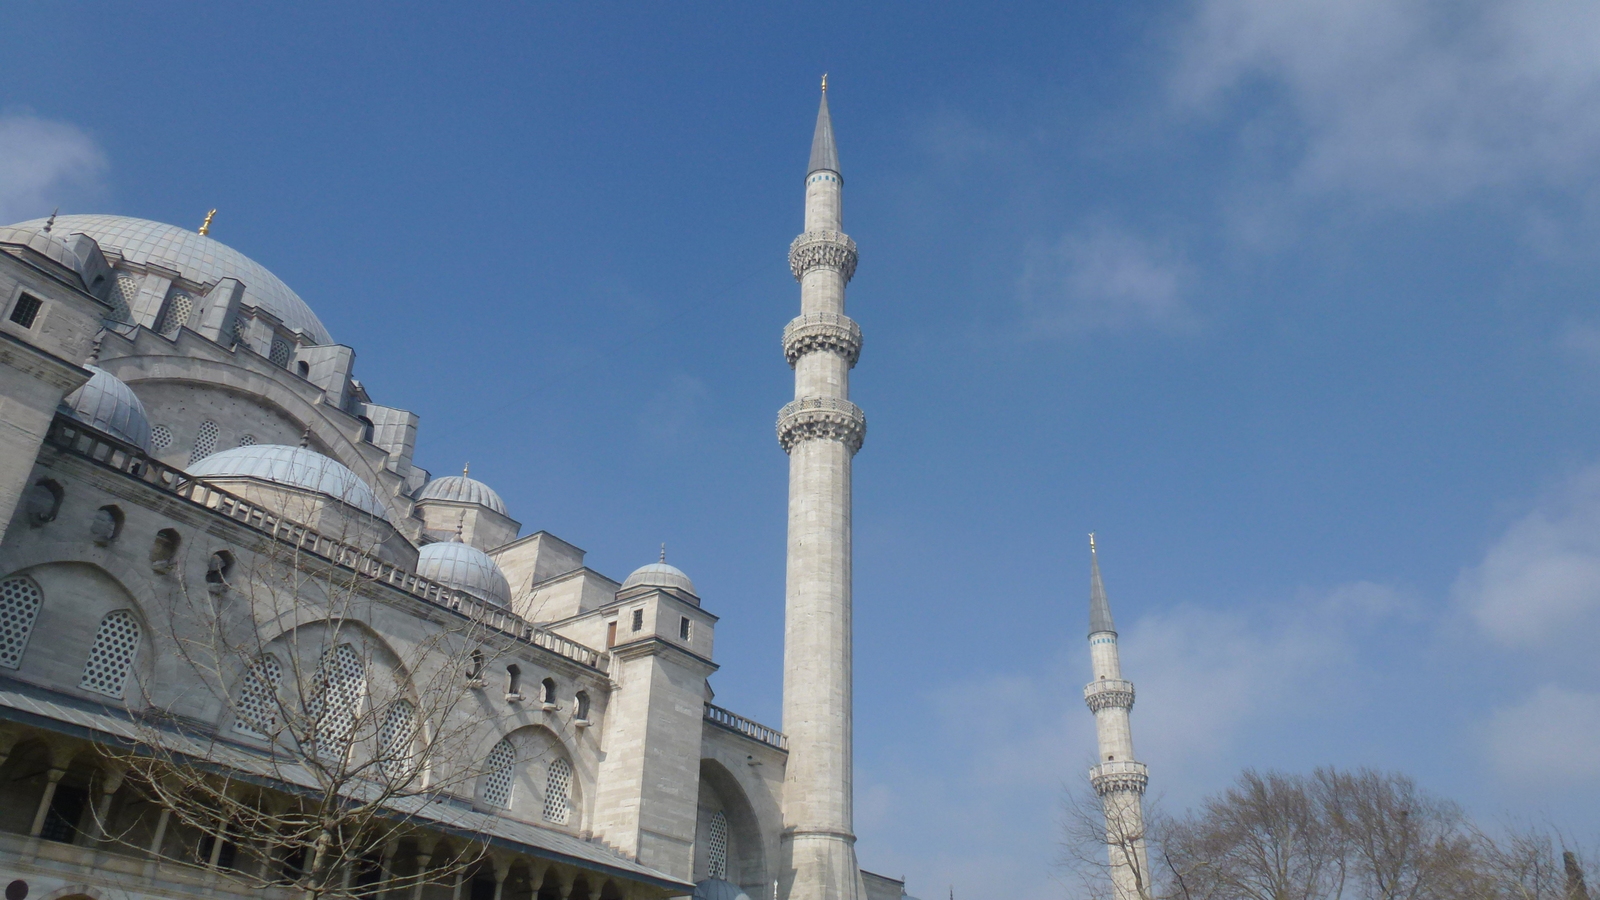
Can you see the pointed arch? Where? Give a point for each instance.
(111, 656)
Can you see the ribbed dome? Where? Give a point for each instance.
(106, 404)
(461, 489)
(659, 574)
(295, 466)
(196, 257)
(466, 568)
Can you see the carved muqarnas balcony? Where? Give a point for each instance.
(827, 418)
(1107, 693)
(1119, 775)
(823, 250)
(822, 331)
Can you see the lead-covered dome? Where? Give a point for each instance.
(462, 489)
(194, 256)
(106, 404)
(659, 574)
(464, 567)
(295, 466)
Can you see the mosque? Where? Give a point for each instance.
(183, 437)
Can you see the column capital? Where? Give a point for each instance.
(823, 250)
(827, 418)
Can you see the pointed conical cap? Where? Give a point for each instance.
(824, 155)
(1099, 608)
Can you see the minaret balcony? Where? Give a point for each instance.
(822, 331)
(1117, 776)
(1108, 693)
(823, 250)
(826, 418)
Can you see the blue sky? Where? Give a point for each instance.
(1293, 302)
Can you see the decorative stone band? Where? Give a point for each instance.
(822, 331)
(1119, 775)
(823, 250)
(1107, 693)
(821, 418)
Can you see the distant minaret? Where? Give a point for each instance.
(1118, 778)
(821, 430)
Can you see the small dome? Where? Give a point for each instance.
(106, 404)
(295, 466)
(717, 889)
(461, 489)
(659, 574)
(466, 568)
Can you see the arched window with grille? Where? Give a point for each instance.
(717, 848)
(116, 644)
(339, 685)
(395, 740)
(558, 791)
(20, 599)
(256, 712)
(498, 771)
(205, 442)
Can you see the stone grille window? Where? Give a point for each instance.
(558, 792)
(178, 309)
(26, 310)
(123, 291)
(497, 783)
(257, 709)
(248, 440)
(340, 683)
(280, 352)
(205, 442)
(717, 851)
(116, 643)
(395, 739)
(160, 438)
(20, 600)
(638, 620)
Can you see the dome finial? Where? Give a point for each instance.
(305, 438)
(52, 223)
(1091, 542)
(460, 525)
(824, 82)
(663, 551)
(205, 227)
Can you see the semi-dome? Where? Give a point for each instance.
(464, 567)
(106, 404)
(659, 574)
(194, 256)
(294, 466)
(462, 489)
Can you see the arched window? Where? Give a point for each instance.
(717, 849)
(205, 442)
(547, 691)
(116, 643)
(580, 706)
(497, 775)
(256, 712)
(558, 791)
(340, 683)
(20, 600)
(395, 740)
(179, 308)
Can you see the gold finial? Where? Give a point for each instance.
(824, 82)
(465, 469)
(205, 227)
(1091, 542)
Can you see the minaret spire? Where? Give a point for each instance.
(821, 430)
(1118, 778)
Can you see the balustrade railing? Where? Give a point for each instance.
(750, 729)
(78, 439)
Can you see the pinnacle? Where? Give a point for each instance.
(824, 154)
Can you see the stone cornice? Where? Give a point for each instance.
(821, 418)
(1108, 693)
(823, 250)
(1118, 776)
(822, 332)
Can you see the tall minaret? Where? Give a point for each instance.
(821, 430)
(1118, 778)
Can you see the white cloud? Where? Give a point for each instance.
(45, 164)
(1413, 99)
(1105, 278)
(1540, 581)
(1549, 737)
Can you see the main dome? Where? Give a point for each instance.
(107, 404)
(197, 258)
(466, 568)
(295, 466)
(462, 489)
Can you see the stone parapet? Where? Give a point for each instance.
(1118, 776)
(1108, 693)
(822, 331)
(827, 418)
(823, 250)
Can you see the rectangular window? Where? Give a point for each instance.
(611, 634)
(26, 310)
(683, 628)
(638, 619)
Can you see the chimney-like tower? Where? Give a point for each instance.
(1117, 777)
(821, 430)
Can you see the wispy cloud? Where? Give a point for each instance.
(1418, 100)
(45, 163)
(1105, 278)
(1549, 737)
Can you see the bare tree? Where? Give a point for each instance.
(1104, 838)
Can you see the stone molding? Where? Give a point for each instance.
(821, 418)
(1108, 693)
(823, 250)
(822, 331)
(1119, 776)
